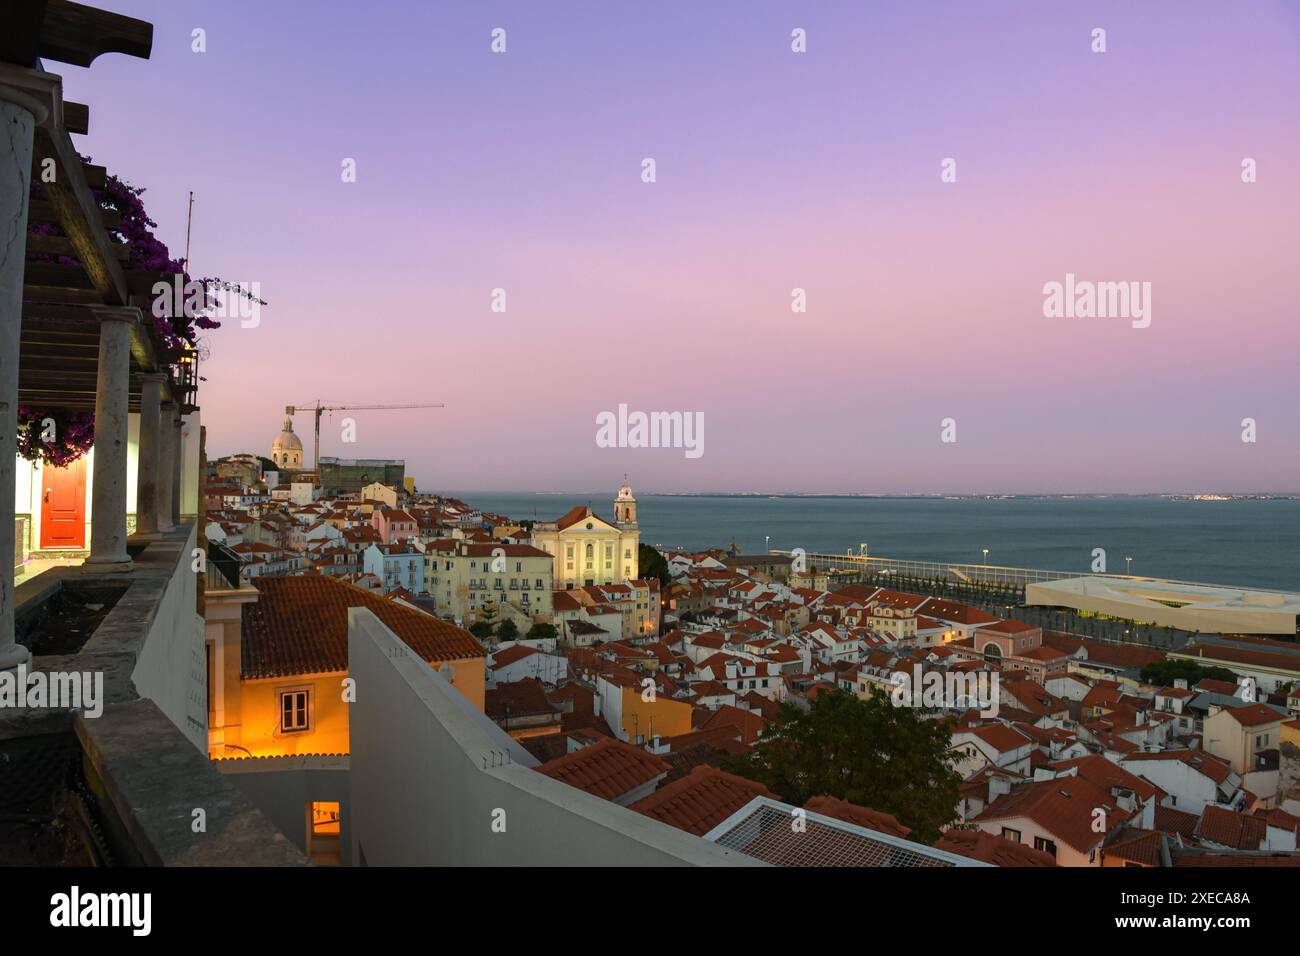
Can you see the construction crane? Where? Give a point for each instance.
(318, 408)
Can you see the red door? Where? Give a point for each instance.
(63, 505)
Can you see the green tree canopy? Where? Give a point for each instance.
(481, 629)
(652, 564)
(508, 631)
(541, 632)
(1171, 669)
(868, 752)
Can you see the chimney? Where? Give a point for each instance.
(999, 786)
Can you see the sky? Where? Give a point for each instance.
(774, 171)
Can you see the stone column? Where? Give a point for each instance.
(20, 113)
(148, 467)
(112, 394)
(166, 473)
(178, 466)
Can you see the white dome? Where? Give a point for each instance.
(286, 450)
(286, 440)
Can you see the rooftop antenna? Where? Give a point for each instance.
(189, 221)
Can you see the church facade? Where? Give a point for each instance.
(587, 550)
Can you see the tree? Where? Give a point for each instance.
(652, 564)
(508, 631)
(486, 622)
(868, 752)
(542, 632)
(1171, 669)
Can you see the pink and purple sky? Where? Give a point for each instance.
(775, 170)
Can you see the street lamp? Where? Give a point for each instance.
(986, 557)
(1128, 565)
(766, 539)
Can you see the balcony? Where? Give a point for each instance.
(103, 715)
(117, 779)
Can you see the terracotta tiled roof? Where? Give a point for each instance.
(1062, 807)
(1253, 715)
(749, 724)
(699, 802)
(1117, 655)
(1001, 737)
(685, 758)
(862, 816)
(546, 746)
(1229, 828)
(1171, 820)
(1009, 626)
(1279, 818)
(516, 698)
(576, 514)
(1200, 761)
(1241, 655)
(1106, 774)
(1217, 686)
(607, 769)
(512, 654)
(1136, 846)
(299, 625)
(988, 848)
(956, 613)
(1186, 857)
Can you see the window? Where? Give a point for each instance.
(1047, 846)
(1010, 834)
(295, 714)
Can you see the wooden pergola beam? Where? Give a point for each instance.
(79, 216)
(62, 246)
(76, 117)
(39, 210)
(77, 34)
